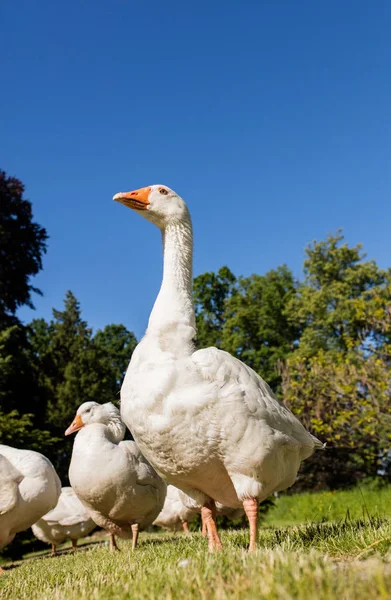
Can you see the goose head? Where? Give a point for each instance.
(157, 203)
(92, 412)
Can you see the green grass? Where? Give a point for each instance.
(344, 559)
(355, 503)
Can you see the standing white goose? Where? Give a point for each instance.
(69, 519)
(120, 489)
(29, 488)
(204, 420)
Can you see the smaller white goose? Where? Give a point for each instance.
(29, 488)
(69, 519)
(174, 515)
(120, 489)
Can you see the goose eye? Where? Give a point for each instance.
(163, 191)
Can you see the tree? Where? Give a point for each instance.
(211, 292)
(20, 389)
(338, 379)
(19, 431)
(257, 329)
(74, 367)
(336, 276)
(22, 244)
(21, 412)
(115, 345)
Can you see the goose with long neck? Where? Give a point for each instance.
(207, 423)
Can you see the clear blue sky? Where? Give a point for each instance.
(271, 119)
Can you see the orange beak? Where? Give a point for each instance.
(137, 200)
(76, 424)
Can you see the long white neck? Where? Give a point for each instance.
(172, 319)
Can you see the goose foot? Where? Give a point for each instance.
(208, 516)
(134, 535)
(250, 506)
(113, 543)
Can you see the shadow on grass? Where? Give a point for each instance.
(312, 532)
(47, 554)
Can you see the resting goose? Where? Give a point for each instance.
(69, 519)
(29, 488)
(174, 515)
(206, 421)
(120, 489)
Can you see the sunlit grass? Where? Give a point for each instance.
(345, 558)
(355, 503)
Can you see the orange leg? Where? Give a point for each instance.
(250, 506)
(185, 527)
(208, 515)
(203, 530)
(53, 550)
(74, 545)
(134, 535)
(113, 543)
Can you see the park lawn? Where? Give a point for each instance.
(355, 503)
(347, 557)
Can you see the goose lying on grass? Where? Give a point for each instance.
(120, 489)
(68, 520)
(206, 421)
(29, 488)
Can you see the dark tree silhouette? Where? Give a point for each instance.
(22, 244)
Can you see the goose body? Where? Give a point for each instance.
(205, 420)
(29, 488)
(174, 514)
(68, 520)
(111, 477)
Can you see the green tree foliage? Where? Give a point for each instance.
(115, 344)
(256, 328)
(73, 367)
(18, 385)
(246, 317)
(211, 293)
(338, 379)
(19, 431)
(21, 411)
(336, 278)
(22, 243)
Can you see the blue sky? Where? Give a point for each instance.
(271, 119)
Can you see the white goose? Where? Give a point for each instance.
(207, 422)
(179, 509)
(174, 515)
(69, 519)
(120, 489)
(29, 488)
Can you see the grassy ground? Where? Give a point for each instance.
(356, 503)
(345, 560)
